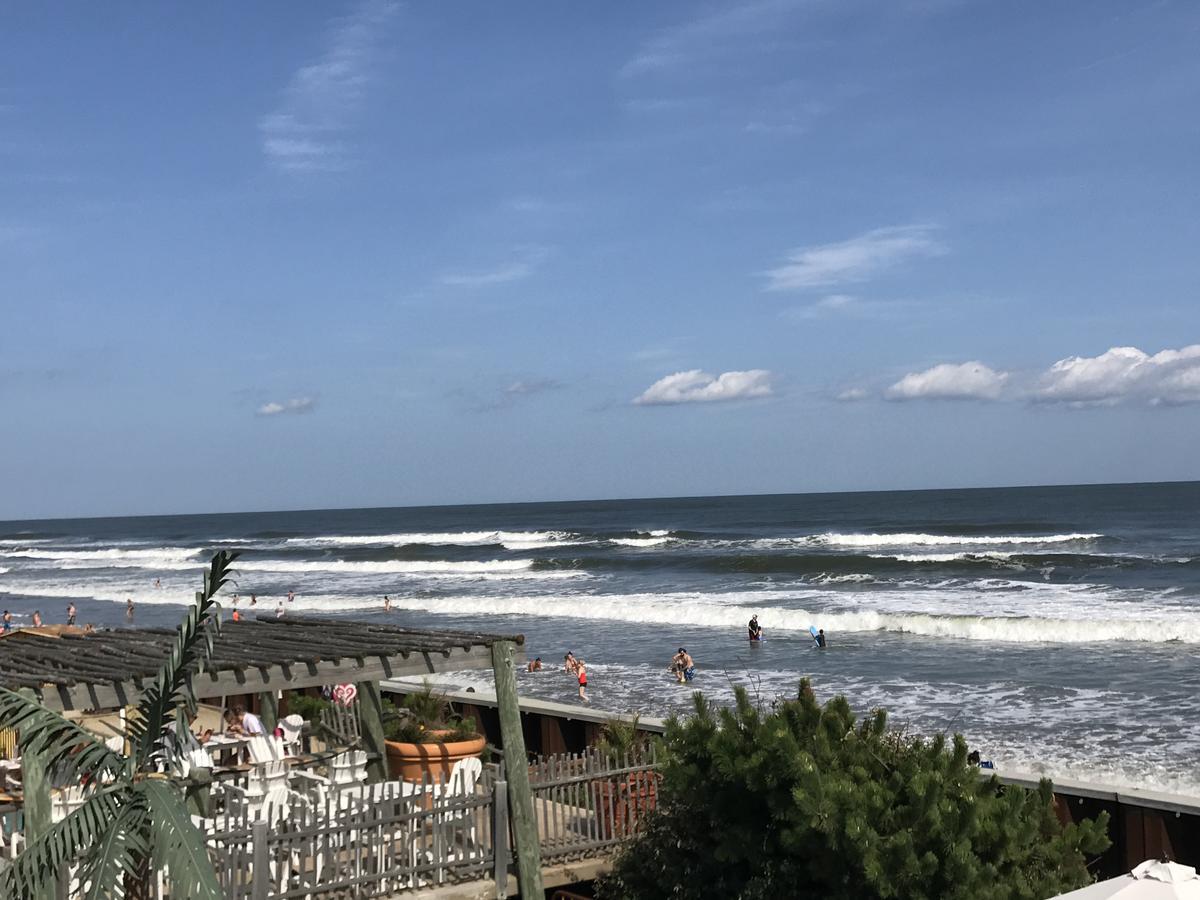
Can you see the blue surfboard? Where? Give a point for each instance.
(812, 629)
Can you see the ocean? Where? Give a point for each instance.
(1057, 628)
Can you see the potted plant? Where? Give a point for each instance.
(424, 737)
(623, 799)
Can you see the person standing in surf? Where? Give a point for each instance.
(583, 681)
(754, 629)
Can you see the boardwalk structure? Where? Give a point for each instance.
(70, 670)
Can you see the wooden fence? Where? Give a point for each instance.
(371, 841)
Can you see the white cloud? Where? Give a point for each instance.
(965, 381)
(1124, 374)
(294, 406)
(514, 270)
(853, 395)
(709, 35)
(695, 386)
(303, 134)
(528, 386)
(853, 260)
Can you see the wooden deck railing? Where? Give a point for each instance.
(376, 841)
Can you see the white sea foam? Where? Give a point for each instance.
(111, 556)
(641, 542)
(1131, 622)
(460, 538)
(939, 540)
(398, 567)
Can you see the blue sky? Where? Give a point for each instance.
(259, 256)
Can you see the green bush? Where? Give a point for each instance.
(425, 717)
(803, 801)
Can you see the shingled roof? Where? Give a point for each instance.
(73, 670)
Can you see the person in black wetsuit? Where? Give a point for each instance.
(821, 639)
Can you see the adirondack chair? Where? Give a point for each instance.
(266, 748)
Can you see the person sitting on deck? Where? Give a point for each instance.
(240, 720)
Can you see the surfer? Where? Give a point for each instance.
(754, 628)
(820, 639)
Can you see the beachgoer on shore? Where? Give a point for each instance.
(291, 596)
(71, 613)
(279, 610)
(237, 616)
(254, 599)
(129, 608)
(387, 603)
(37, 618)
(583, 681)
(89, 628)
(974, 760)
(754, 629)
(6, 623)
(535, 665)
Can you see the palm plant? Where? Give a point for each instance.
(135, 820)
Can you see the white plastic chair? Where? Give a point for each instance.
(292, 727)
(265, 748)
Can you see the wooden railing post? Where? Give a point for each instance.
(268, 706)
(500, 837)
(260, 885)
(520, 796)
(370, 716)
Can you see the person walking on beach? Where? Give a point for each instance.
(237, 616)
(291, 596)
(754, 628)
(70, 613)
(129, 609)
(387, 603)
(6, 625)
(279, 610)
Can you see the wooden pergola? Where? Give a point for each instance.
(68, 669)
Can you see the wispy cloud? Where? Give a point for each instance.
(306, 133)
(523, 266)
(950, 381)
(1123, 374)
(525, 386)
(709, 35)
(695, 386)
(855, 260)
(294, 406)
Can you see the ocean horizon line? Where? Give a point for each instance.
(603, 500)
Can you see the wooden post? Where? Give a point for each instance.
(520, 797)
(370, 713)
(268, 704)
(500, 838)
(35, 782)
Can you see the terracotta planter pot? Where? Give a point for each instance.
(411, 761)
(621, 804)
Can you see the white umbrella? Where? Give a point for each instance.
(1152, 880)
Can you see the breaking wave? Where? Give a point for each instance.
(942, 540)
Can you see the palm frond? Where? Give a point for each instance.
(178, 845)
(64, 843)
(58, 741)
(193, 647)
(127, 841)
